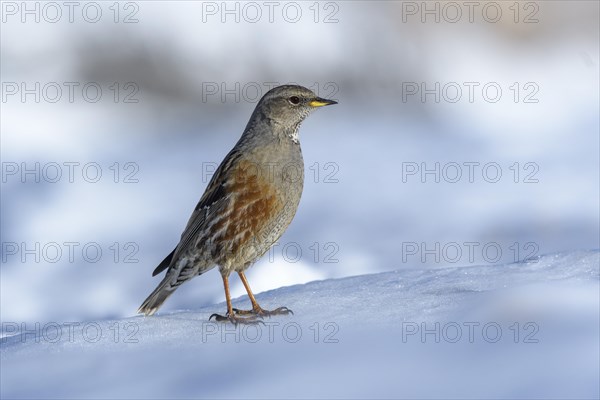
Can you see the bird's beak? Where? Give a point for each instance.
(319, 102)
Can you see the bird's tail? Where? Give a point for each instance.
(157, 297)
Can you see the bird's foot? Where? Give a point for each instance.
(260, 313)
(251, 320)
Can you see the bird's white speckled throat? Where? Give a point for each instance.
(294, 136)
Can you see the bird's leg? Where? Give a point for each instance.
(230, 316)
(257, 309)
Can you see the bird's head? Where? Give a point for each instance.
(288, 105)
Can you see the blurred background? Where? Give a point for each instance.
(462, 136)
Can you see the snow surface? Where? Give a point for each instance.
(349, 337)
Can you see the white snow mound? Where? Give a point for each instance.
(495, 331)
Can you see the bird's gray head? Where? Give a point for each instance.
(285, 107)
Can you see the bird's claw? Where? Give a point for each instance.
(260, 313)
(281, 311)
(235, 319)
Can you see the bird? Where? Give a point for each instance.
(248, 204)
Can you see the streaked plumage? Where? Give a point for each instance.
(248, 204)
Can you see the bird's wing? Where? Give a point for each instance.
(214, 198)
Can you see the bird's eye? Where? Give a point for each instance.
(294, 99)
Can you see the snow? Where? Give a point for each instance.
(527, 329)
